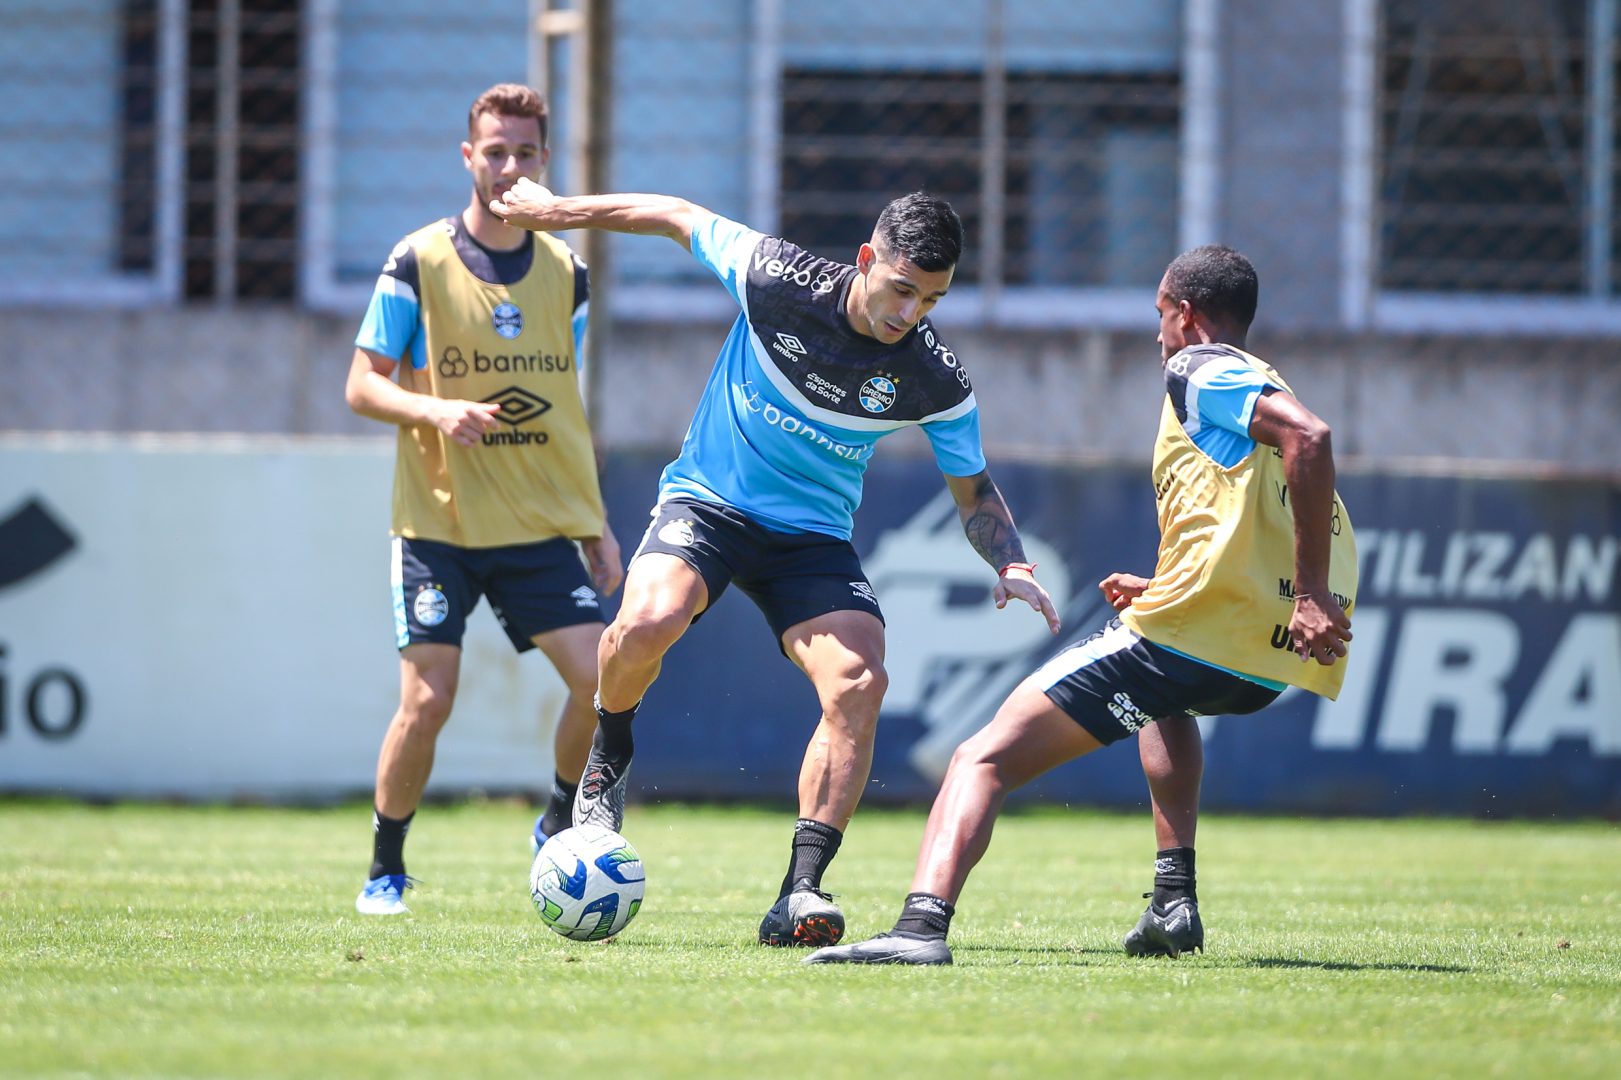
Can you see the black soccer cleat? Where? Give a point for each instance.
(894, 947)
(1168, 931)
(601, 798)
(806, 917)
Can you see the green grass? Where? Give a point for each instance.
(162, 941)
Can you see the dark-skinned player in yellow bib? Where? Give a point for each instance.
(1251, 593)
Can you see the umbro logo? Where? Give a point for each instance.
(584, 596)
(789, 346)
(518, 405)
(864, 591)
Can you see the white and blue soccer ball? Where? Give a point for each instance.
(587, 883)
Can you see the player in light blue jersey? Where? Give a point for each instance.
(825, 359)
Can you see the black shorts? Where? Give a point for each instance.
(1115, 682)
(532, 588)
(790, 577)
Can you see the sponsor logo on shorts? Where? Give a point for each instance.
(507, 320)
(431, 607)
(789, 346)
(584, 596)
(452, 365)
(864, 591)
(877, 394)
(677, 533)
(1126, 711)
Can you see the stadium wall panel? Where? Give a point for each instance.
(210, 618)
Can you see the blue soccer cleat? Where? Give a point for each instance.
(385, 895)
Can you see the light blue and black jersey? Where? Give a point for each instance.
(798, 399)
(1214, 389)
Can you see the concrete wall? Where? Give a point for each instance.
(1076, 395)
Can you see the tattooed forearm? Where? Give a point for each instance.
(989, 525)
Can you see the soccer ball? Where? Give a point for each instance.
(587, 883)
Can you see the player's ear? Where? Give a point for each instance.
(865, 257)
(467, 156)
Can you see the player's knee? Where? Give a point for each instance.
(643, 638)
(855, 696)
(424, 709)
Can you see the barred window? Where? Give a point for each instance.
(1497, 134)
(1088, 166)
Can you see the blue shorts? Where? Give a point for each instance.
(532, 588)
(791, 577)
(1116, 682)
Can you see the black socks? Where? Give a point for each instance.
(925, 915)
(388, 843)
(613, 731)
(560, 808)
(815, 845)
(1173, 875)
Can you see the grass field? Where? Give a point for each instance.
(163, 941)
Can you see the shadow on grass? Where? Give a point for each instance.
(1340, 965)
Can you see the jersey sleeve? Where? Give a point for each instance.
(724, 246)
(1224, 396)
(394, 315)
(956, 443)
(1212, 388)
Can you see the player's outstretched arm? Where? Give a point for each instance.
(989, 525)
(1319, 626)
(372, 392)
(529, 205)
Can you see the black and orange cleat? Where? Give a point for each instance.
(806, 917)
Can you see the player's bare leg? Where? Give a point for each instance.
(662, 595)
(1172, 754)
(1028, 736)
(572, 650)
(428, 678)
(842, 653)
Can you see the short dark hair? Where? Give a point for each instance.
(510, 99)
(923, 229)
(1216, 280)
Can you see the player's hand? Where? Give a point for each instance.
(1121, 589)
(527, 205)
(1319, 628)
(464, 421)
(1021, 585)
(602, 559)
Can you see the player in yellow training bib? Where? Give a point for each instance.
(1251, 593)
(495, 475)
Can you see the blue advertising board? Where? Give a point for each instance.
(1485, 676)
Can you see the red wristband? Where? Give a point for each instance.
(1027, 567)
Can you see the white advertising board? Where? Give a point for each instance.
(210, 618)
